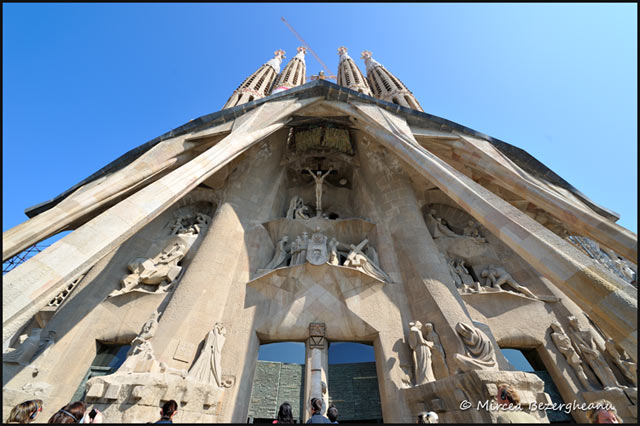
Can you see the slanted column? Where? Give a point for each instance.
(612, 306)
(431, 292)
(29, 287)
(316, 369)
(200, 298)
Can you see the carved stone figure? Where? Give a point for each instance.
(421, 354)
(280, 256)
(438, 226)
(373, 255)
(207, 368)
(626, 365)
(297, 209)
(563, 343)
(180, 226)
(295, 251)
(318, 177)
(141, 348)
(357, 259)
(304, 243)
(454, 273)
(23, 354)
(334, 257)
(480, 354)
(497, 276)
(463, 272)
(584, 339)
(471, 230)
(317, 253)
(155, 271)
(440, 369)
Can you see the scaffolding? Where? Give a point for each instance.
(20, 258)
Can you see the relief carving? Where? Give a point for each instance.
(496, 276)
(563, 343)
(158, 274)
(585, 342)
(25, 352)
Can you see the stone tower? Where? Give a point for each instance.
(386, 86)
(349, 75)
(320, 214)
(257, 85)
(294, 74)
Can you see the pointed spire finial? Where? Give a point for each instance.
(276, 61)
(369, 61)
(302, 49)
(342, 50)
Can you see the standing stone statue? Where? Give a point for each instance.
(626, 365)
(334, 257)
(440, 369)
(296, 246)
(585, 342)
(280, 256)
(23, 354)
(480, 354)
(141, 348)
(293, 205)
(421, 354)
(563, 343)
(454, 273)
(318, 177)
(207, 368)
(304, 244)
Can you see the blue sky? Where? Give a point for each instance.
(84, 83)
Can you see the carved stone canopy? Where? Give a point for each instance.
(316, 335)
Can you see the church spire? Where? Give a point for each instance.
(294, 74)
(386, 86)
(349, 75)
(258, 84)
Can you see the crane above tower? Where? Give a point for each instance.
(320, 75)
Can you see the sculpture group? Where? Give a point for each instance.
(319, 249)
(158, 274)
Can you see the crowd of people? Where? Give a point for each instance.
(507, 397)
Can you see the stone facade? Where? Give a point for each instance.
(320, 214)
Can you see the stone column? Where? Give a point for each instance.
(431, 292)
(316, 369)
(199, 300)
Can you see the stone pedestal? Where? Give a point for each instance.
(471, 397)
